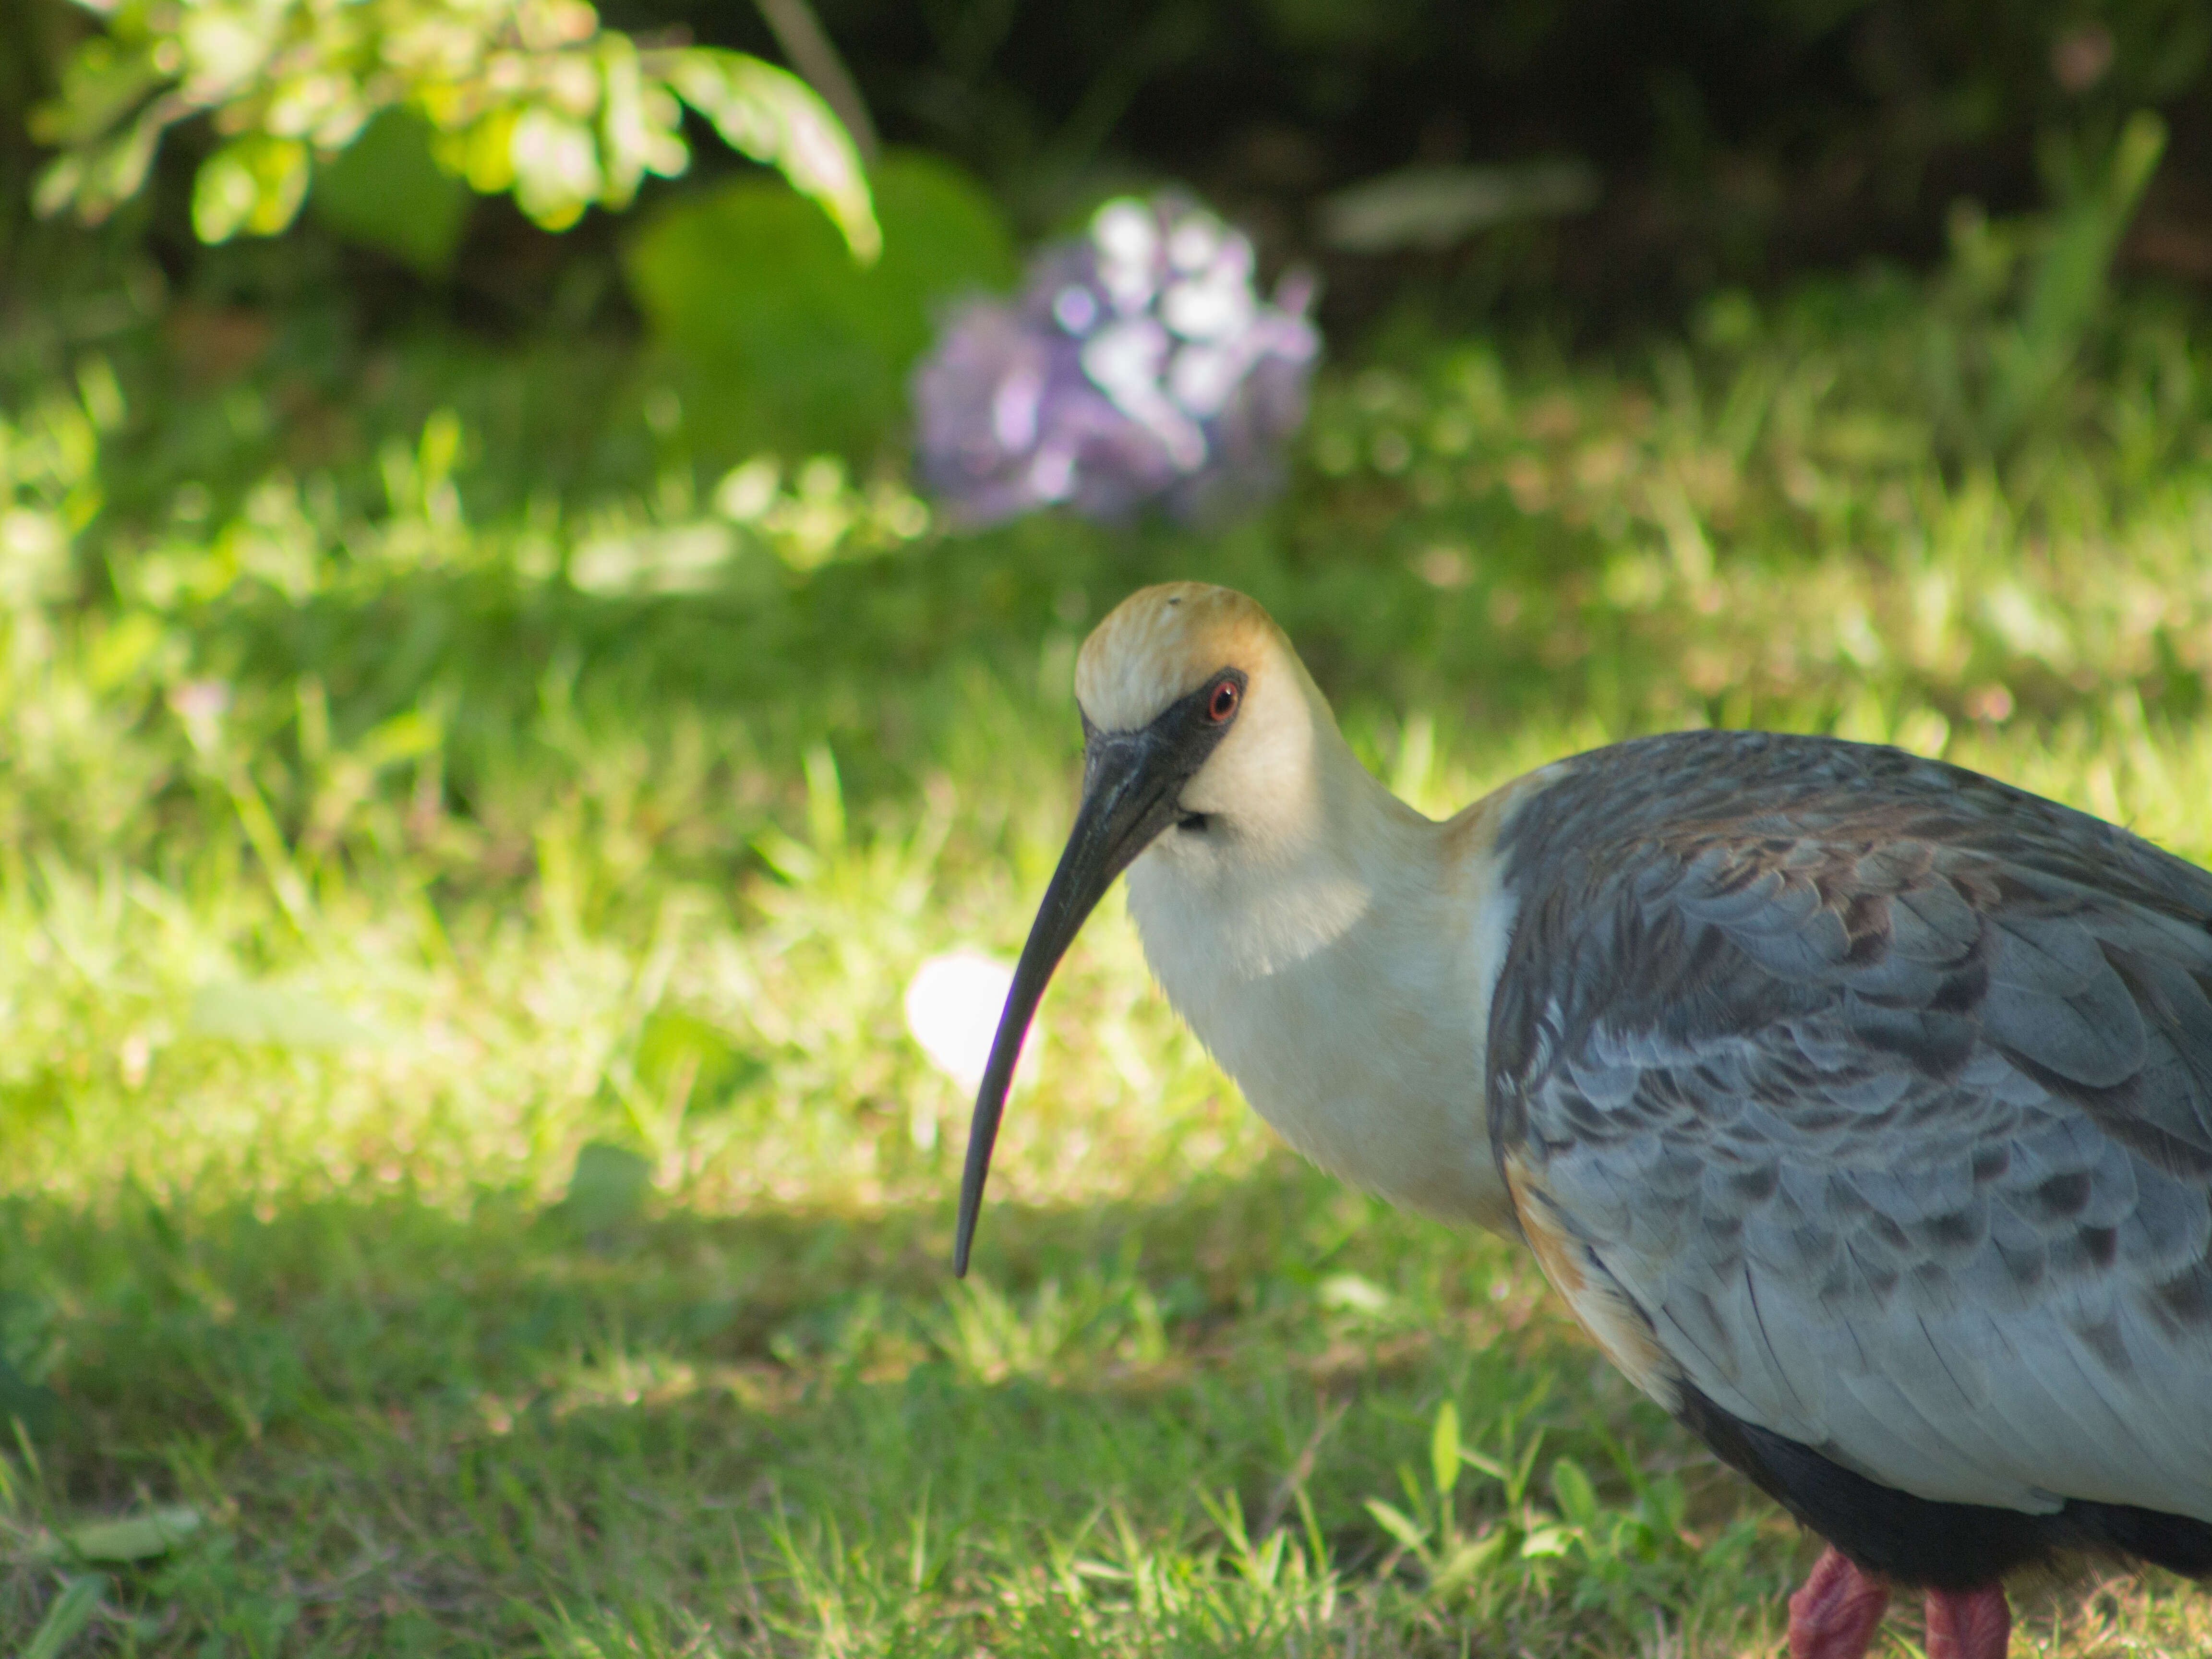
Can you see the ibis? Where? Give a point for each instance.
(1860, 1106)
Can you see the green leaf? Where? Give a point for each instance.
(1546, 1541)
(1399, 1525)
(245, 1013)
(404, 736)
(386, 191)
(557, 166)
(101, 85)
(1352, 1292)
(675, 1047)
(97, 176)
(71, 1611)
(774, 116)
(254, 184)
(1517, 1485)
(1665, 1501)
(1489, 1465)
(776, 339)
(1469, 1558)
(1444, 1450)
(481, 153)
(638, 121)
(608, 1186)
(130, 1537)
(825, 801)
(1577, 1497)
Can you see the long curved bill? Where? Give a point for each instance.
(1130, 782)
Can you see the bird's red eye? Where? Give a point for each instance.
(1222, 703)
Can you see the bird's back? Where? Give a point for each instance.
(1873, 1099)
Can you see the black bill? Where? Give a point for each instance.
(1131, 784)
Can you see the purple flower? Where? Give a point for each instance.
(1138, 365)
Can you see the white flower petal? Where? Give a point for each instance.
(952, 1007)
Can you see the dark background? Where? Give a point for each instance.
(1739, 141)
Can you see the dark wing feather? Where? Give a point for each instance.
(1885, 1092)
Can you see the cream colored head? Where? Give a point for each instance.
(1164, 642)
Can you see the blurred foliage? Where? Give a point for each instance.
(1993, 371)
(770, 335)
(529, 96)
(1735, 142)
(472, 793)
(387, 190)
(458, 868)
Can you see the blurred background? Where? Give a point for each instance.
(541, 557)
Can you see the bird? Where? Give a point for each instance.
(1858, 1105)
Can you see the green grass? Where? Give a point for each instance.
(463, 1144)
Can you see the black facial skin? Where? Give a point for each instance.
(1132, 785)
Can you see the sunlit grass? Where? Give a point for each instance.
(464, 1138)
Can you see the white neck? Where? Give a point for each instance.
(1336, 955)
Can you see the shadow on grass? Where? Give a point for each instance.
(419, 1430)
(415, 1429)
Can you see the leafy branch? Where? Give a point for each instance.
(527, 96)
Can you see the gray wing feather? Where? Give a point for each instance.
(1885, 1092)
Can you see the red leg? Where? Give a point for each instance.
(1835, 1611)
(1973, 1624)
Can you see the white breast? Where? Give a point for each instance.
(1350, 1004)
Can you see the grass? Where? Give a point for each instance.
(470, 1189)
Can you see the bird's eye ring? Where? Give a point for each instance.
(1222, 703)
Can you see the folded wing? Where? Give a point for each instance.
(1884, 1093)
